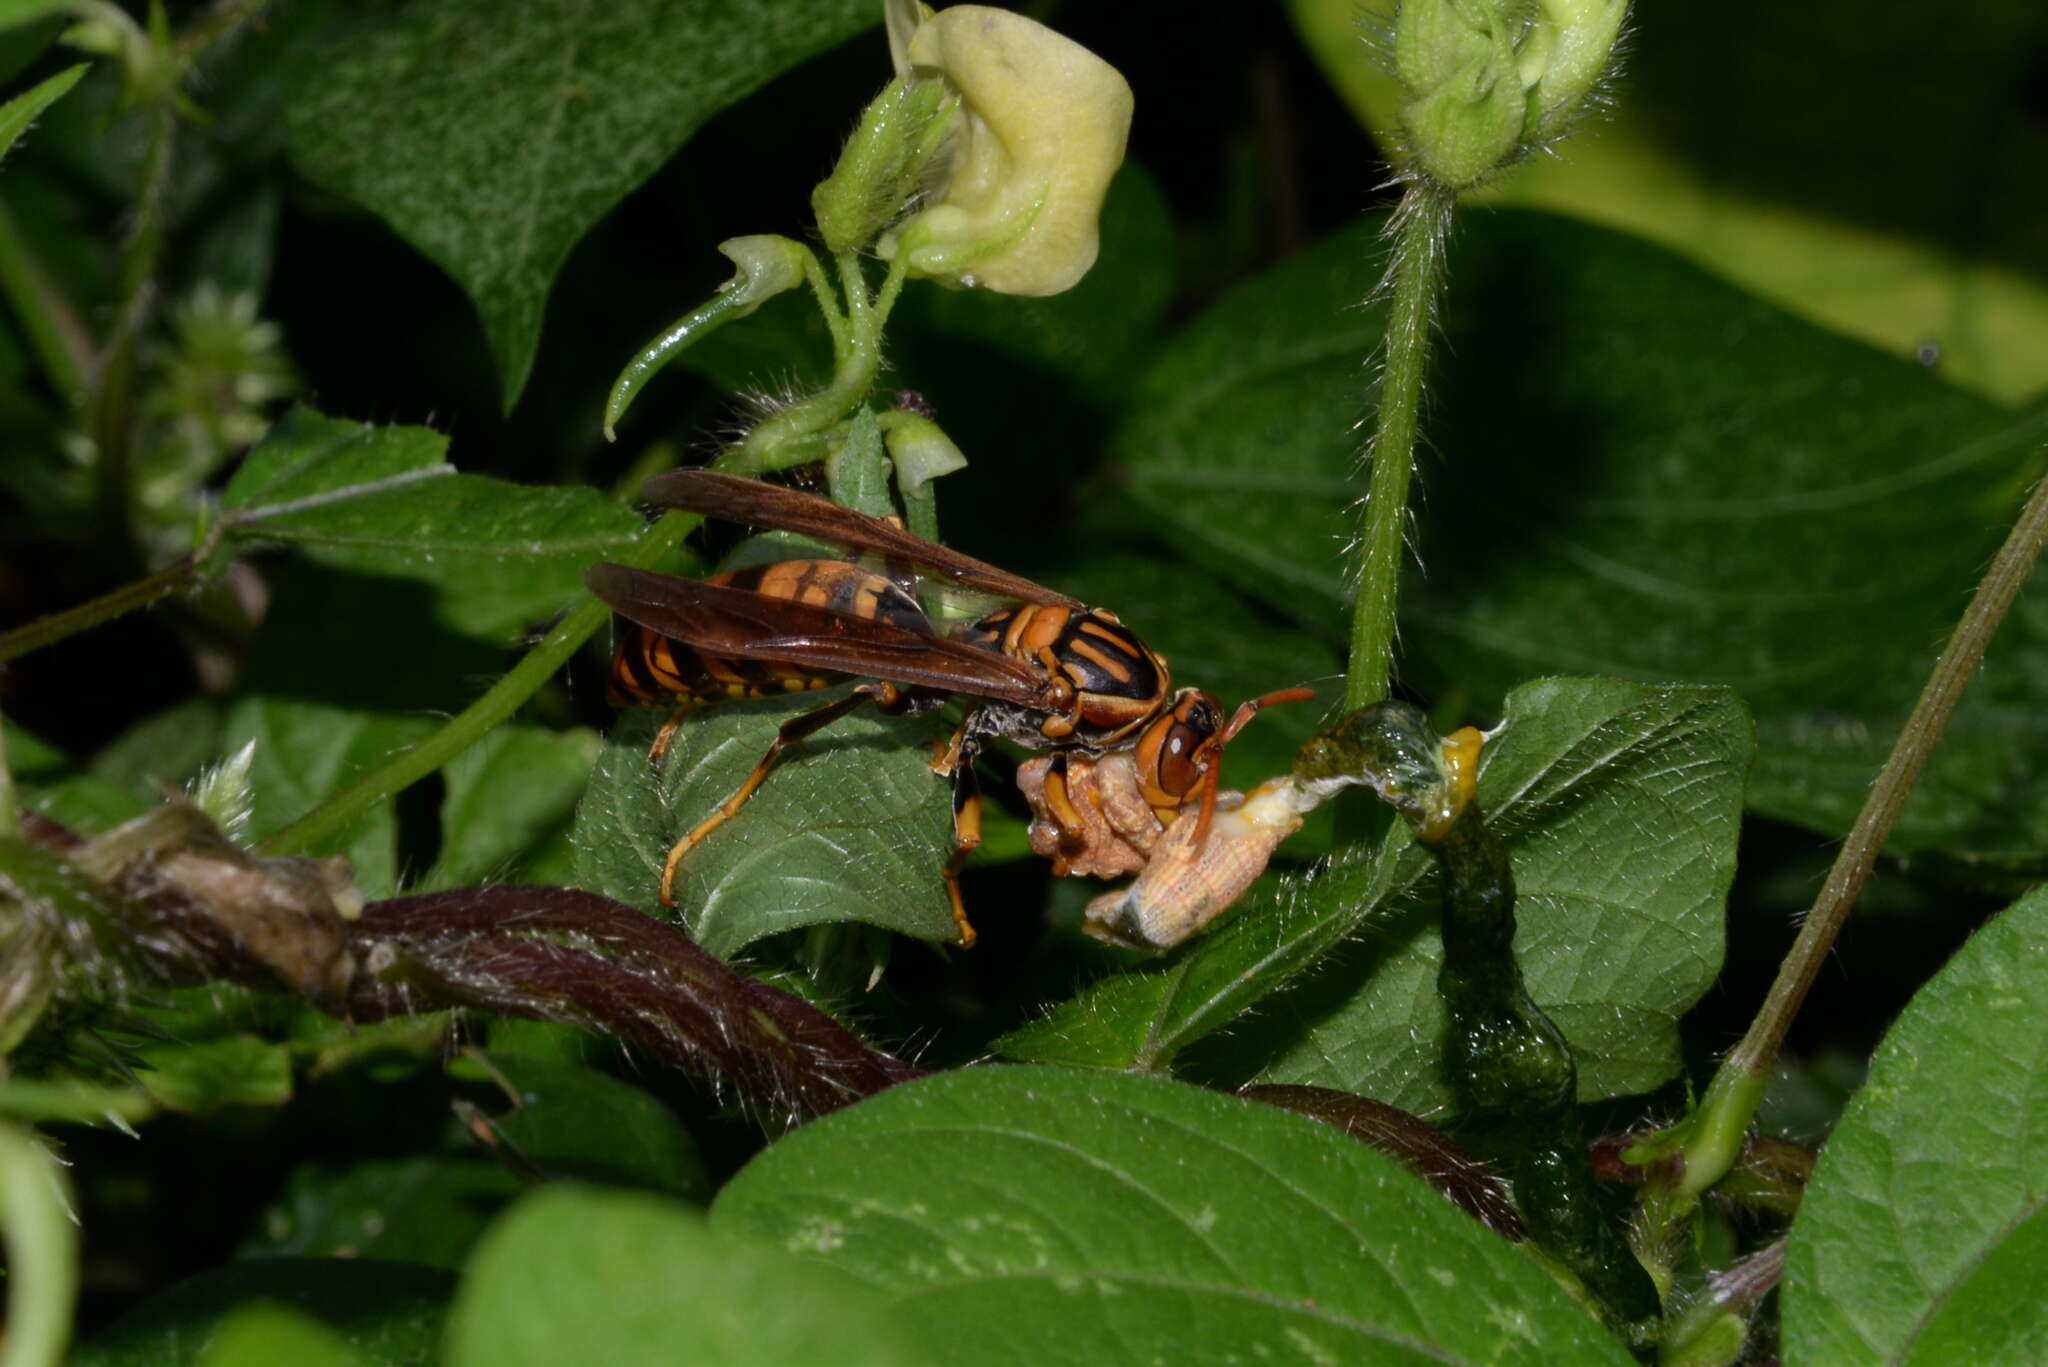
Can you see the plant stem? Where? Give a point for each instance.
(10, 819)
(470, 725)
(181, 573)
(835, 317)
(852, 376)
(218, 23)
(1737, 1087)
(59, 340)
(113, 419)
(42, 1252)
(1414, 273)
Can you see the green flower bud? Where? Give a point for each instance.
(1467, 103)
(885, 161)
(1489, 80)
(1564, 56)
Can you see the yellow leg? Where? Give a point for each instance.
(966, 840)
(792, 731)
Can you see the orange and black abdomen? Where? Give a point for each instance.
(1119, 682)
(650, 669)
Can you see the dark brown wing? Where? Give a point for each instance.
(753, 626)
(757, 504)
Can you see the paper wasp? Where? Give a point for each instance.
(1048, 672)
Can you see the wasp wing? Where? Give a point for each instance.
(754, 626)
(758, 504)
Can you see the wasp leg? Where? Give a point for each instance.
(657, 753)
(792, 731)
(966, 837)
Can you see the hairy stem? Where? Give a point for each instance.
(42, 1252)
(852, 376)
(1732, 1098)
(470, 725)
(182, 573)
(1413, 275)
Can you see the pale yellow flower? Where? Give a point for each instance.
(1039, 134)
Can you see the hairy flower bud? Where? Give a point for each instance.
(1488, 80)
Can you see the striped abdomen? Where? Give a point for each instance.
(650, 669)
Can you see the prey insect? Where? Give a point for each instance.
(1047, 672)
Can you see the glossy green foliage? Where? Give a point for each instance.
(1618, 804)
(574, 1275)
(1612, 495)
(1920, 1240)
(1029, 1215)
(497, 136)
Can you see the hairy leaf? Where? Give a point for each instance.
(1921, 1236)
(491, 137)
(852, 825)
(1619, 805)
(1030, 1215)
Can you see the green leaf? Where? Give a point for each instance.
(1037, 1215)
(306, 752)
(505, 795)
(1619, 805)
(491, 137)
(1781, 172)
(14, 12)
(202, 1078)
(572, 1275)
(163, 751)
(380, 501)
(426, 1208)
(266, 1335)
(852, 825)
(575, 1123)
(47, 782)
(390, 1312)
(1613, 497)
(1921, 1237)
(21, 111)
